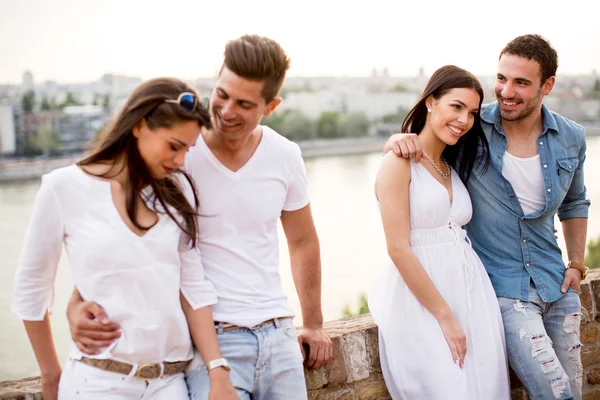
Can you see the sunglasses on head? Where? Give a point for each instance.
(186, 100)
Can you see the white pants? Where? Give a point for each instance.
(83, 382)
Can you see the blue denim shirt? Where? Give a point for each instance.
(515, 247)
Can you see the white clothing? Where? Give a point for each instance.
(136, 279)
(83, 382)
(238, 219)
(526, 178)
(415, 358)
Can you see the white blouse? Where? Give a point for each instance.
(136, 279)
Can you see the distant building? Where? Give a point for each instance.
(8, 137)
(375, 105)
(77, 126)
(28, 82)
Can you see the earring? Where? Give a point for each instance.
(428, 109)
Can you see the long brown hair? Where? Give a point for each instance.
(147, 102)
(473, 145)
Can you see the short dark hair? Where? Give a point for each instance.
(258, 58)
(534, 47)
(472, 146)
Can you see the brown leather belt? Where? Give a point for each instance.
(144, 371)
(229, 327)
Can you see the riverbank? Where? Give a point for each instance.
(26, 170)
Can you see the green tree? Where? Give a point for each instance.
(45, 106)
(399, 88)
(28, 102)
(363, 307)
(328, 125)
(70, 100)
(106, 102)
(46, 140)
(395, 118)
(275, 121)
(354, 124)
(592, 258)
(297, 126)
(595, 91)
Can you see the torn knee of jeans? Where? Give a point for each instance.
(559, 385)
(540, 343)
(572, 323)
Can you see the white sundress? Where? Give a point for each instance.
(415, 358)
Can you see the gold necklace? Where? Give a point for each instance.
(448, 170)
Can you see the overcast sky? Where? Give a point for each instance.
(79, 40)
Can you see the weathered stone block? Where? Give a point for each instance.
(593, 376)
(590, 356)
(595, 395)
(355, 353)
(336, 367)
(587, 303)
(372, 341)
(373, 391)
(342, 394)
(589, 334)
(315, 379)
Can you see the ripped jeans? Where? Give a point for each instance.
(543, 345)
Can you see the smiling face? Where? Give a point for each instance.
(519, 89)
(237, 106)
(163, 149)
(453, 114)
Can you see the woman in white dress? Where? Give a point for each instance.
(440, 328)
(127, 218)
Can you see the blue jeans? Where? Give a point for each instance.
(266, 363)
(543, 344)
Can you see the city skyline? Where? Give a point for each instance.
(71, 41)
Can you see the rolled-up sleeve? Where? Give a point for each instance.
(39, 258)
(576, 203)
(197, 290)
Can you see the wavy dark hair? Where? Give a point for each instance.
(147, 102)
(472, 146)
(536, 48)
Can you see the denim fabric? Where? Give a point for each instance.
(543, 344)
(516, 248)
(266, 363)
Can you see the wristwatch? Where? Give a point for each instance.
(216, 363)
(581, 268)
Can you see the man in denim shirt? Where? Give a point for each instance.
(535, 172)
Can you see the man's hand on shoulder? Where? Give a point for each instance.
(407, 145)
(318, 345)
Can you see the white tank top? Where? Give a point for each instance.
(525, 176)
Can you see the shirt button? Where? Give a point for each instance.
(528, 264)
(545, 165)
(549, 190)
(524, 240)
(541, 143)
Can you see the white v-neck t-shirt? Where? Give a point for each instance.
(238, 219)
(526, 178)
(136, 279)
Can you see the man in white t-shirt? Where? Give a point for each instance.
(248, 177)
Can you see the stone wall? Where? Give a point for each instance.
(355, 373)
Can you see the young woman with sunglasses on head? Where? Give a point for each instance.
(126, 215)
